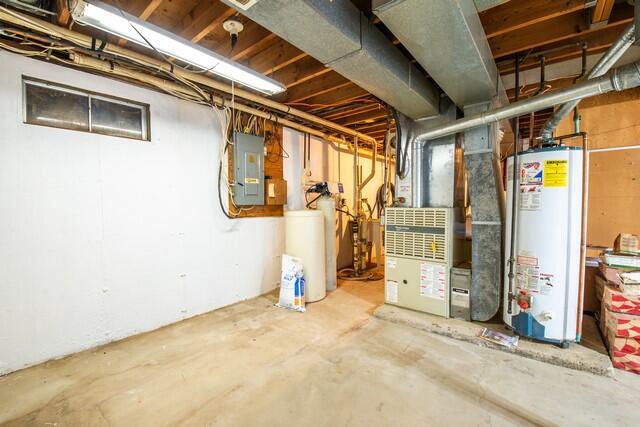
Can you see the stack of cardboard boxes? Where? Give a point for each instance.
(618, 285)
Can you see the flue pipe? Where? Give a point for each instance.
(608, 60)
(621, 78)
(40, 26)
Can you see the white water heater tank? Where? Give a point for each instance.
(545, 290)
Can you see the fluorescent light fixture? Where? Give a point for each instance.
(112, 20)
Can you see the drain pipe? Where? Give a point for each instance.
(583, 70)
(621, 78)
(611, 56)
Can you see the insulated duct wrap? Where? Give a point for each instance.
(484, 194)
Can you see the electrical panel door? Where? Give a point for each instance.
(248, 168)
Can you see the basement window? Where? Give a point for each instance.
(53, 105)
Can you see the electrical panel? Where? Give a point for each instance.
(248, 169)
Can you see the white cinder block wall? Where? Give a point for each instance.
(104, 237)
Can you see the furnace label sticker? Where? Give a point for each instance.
(392, 291)
(556, 173)
(391, 263)
(433, 281)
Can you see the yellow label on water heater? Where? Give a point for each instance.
(555, 173)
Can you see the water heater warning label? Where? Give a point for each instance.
(555, 173)
(530, 186)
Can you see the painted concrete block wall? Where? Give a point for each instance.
(104, 237)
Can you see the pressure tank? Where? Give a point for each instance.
(327, 205)
(542, 302)
(304, 239)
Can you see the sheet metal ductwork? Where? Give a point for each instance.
(337, 34)
(447, 38)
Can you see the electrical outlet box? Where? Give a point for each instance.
(248, 169)
(275, 191)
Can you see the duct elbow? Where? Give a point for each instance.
(626, 77)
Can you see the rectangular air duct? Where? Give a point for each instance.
(338, 35)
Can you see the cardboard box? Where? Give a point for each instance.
(627, 243)
(620, 324)
(275, 190)
(591, 302)
(623, 344)
(628, 362)
(600, 284)
(616, 301)
(611, 274)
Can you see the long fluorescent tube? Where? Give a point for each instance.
(112, 20)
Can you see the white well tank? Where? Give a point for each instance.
(547, 244)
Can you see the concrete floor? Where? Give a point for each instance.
(255, 364)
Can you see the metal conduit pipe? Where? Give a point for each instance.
(610, 57)
(621, 78)
(372, 173)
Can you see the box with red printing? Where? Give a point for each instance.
(628, 362)
(621, 324)
(623, 344)
(616, 301)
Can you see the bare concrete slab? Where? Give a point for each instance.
(577, 356)
(253, 364)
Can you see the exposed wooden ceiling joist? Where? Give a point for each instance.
(275, 57)
(366, 117)
(347, 93)
(323, 84)
(518, 14)
(143, 9)
(563, 28)
(602, 11)
(204, 18)
(346, 111)
(596, 42)
(62, 9)
(300, 72)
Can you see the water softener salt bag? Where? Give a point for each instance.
(292, 284)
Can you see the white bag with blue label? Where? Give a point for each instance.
(292, 284)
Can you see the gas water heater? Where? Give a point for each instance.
(541, 301)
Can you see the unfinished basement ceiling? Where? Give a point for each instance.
(518, 27)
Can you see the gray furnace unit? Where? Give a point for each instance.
(248, 169)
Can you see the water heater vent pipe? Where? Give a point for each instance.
(621, 78)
